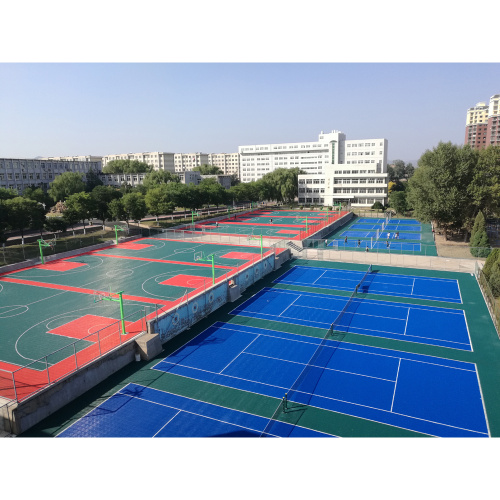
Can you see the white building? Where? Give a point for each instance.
(337, 169)
(194, 177)
(187, 161)
(229, 163)
(158, 160)
(19, 173)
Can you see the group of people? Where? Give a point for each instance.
(396, 236)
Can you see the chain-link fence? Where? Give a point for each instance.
(489, 298)
(12, 254)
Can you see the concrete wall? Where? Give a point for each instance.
(328, 229)
(391, 259)
(19, 417)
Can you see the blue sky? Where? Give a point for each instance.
(86, 108)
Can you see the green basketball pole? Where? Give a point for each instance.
(120, 300)
(252, 237)
(41, 244)
(210, 258)
(193, 213)
(117, 228)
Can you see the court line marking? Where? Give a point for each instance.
(216, 405)
(302, 339)
(395, 384)
(370, 301)
(482, 401)
(346, 402)
(406, 324)
(318, 366)
(356, 328)
(290, 305)
(240, 353)
(166, 423)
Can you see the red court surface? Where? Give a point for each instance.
(61, 265)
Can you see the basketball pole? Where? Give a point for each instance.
(117, 228)
(210, 258)
(120, 300)
(41, 244)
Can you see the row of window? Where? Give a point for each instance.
(358, 190)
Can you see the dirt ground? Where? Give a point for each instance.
(454, 247)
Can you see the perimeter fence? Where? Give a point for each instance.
(489, 297)
(13, 254)
(41, 373)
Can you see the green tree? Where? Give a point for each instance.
(484, 190)
(493, 257)
(208, 170)
(377, 206)
(134, 206)
(5, 194)
(479, 224)
(495, 279)
(157, 177)
(54, 224)
(438, 189)
(158, 201)
(126, 167)
(80, 207)
(65, 185)
(398, 202)
(24, 214)
(117, 210)
(102, 196)
(92, 180)
(211, 192)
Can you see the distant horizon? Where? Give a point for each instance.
(74, 109)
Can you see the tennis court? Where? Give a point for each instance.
(417, 287)
(139, 411)
(390, 245)
(384, 235)
(434, 396)
(406, 322)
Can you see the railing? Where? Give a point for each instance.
(489, 298)
(27, 380)
(19, 253)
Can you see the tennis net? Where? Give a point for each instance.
(312, 363)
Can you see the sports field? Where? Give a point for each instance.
(61, 315)
(282, 224)
(384, 235)
(414, 354)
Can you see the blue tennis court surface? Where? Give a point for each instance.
(380, 245)
(418, 287)
(434, 396)
(384, 235)
(389, 227)
(138, 411)
(369, 220)
(407, 322)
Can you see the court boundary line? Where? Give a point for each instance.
(347, 402)
(334, 399)
(483, 401)
(395, 385)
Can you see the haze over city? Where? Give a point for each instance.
(105, 108)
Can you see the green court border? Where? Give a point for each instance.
(486, 355)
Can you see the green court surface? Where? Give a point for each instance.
(51, 312)
(485, 356)
(283, 224)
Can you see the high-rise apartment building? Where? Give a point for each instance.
(229, 163)
(187, 161)
(482, 126)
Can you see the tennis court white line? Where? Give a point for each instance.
(318, 366)
(239, 354)
(369, 301)
(406, 324)
(290, 305)
(343, 344)
(180, 410)
(318, 277)
(166, 423)
(395, 384)
(482, 402)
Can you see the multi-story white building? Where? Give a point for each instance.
(229, 163)
(337, 169)
(187, 161)
(19, 173)
(194, 177)
(158, 160)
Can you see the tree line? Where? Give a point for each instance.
(160, 194)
